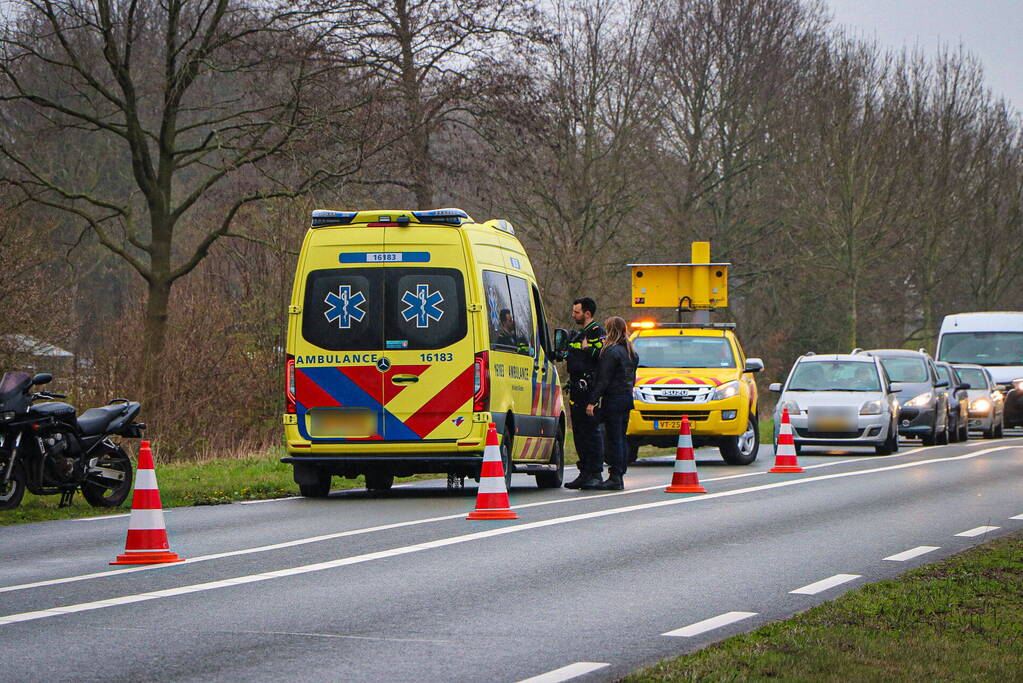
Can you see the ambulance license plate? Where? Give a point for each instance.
(343, 423)
(668, 424)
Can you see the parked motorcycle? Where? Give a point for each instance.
(48, 449)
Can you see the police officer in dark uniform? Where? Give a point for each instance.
(583, 356)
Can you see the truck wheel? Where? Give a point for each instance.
(742, 449)
(506, 454)
(553, 480)
(632, 451)
(379, 481)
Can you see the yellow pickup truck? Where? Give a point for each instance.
(698, 370)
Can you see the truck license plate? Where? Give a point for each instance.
(668, 424)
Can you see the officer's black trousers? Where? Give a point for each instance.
(588, 442)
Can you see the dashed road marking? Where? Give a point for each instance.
(1020, 516)
(96, 519)
(825, 584)
(566, 673)
(977, 531)
(709, 624)
(912, 552)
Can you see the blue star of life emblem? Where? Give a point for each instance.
(422, 306)
(344, 307)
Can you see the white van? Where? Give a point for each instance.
(992, 339)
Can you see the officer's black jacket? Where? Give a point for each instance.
(582, 363)
(616, 374)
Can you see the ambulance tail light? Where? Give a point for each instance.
(481, 382)
(289, 384)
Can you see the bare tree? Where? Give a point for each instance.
(188, 108)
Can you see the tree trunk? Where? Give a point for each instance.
(155, 330)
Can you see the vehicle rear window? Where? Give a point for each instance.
(834, 376)
(906, 369)
(684, 352)
(352, 309)
(982, 348)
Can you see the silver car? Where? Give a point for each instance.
(986, 401)
(840, 400)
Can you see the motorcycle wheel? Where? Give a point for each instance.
(12, 492)
(107, 492)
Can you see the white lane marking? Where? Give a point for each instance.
(977, 531)
(461, 515)
(709, 624)
(824, 584)
(912, 552)
(1020, 516)
(268, 500)
(93, 519)
(453, 540)
(566, 673)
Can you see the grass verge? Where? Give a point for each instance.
(960, 619)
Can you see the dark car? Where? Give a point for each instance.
(924, 402)
(958, 401)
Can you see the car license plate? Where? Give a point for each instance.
(343, 423)
(832, 420)
(668, 424)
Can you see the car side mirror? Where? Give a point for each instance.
(941, 383)
(42, 378)
(964, 386)
(754, 365)
(894, 388)
(775, 387)
(560, 344)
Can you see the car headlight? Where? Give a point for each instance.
(791, 406)
(920, 401)
(726, 390)
(1018, 383)
(871, 408)
(980, 405)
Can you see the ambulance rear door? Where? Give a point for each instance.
(428, 341)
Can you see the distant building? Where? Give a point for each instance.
(35, 355)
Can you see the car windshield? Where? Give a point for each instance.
(835, 376)
(975, 377)
(905, 369)
(684, 352)
(982, 348)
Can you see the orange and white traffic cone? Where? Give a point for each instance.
(147, 533)
(785, 450)
(685, 479)
(492, 497)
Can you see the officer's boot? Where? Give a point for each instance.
(594, 483)
(614, 483)
(579, 481)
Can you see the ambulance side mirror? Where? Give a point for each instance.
(560, 344)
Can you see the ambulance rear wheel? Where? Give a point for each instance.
(742, 449)
(379, 481)
(553, 480)
(315, 482)
(506, 454)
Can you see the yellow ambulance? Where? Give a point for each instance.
(408, 333)
(698, 370)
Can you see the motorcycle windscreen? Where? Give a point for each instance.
(338, 387)
(429, 387)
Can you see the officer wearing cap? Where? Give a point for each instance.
(583, 356)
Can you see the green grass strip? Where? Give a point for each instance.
(960, 619)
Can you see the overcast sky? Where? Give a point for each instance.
(990, 29)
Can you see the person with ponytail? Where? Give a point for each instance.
(616, 375)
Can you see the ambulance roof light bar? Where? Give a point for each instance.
(324, 218)
(650, 324)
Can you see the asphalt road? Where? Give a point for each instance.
(400, 586)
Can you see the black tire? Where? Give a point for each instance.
(999, 430)
(891, 444)
(953, 434)
(989, 433)
(553, 480)
(942, 438)
(13, 491)
(379, 481)
(320, 488)
(932, 438)
(109, 491)
(631, 451)
(964, 432)
(742, 449)
(506, 454)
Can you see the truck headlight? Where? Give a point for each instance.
(871, 408)
(726, 390)
(921, 400)
(980, 405)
